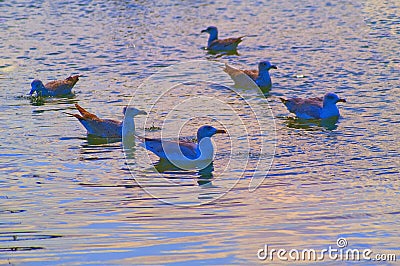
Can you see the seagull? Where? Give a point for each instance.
(214, 44)
(314, 108)
(261, 76)
(54, 88)
(186, 154)
(107, 128)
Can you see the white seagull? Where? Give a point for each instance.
(261, 76)
(214, 44)
(185, 154)
(314, 108)
(107, 128)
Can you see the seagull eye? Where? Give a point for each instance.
(331, 97)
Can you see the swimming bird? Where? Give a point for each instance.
(261, 76)
(314, 108)
(54, 88)
(107, 128)
(186, 154)
(214, 44)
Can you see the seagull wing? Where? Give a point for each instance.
(228, 44)
(304, 108)
(62, 86)
(231, 71)
(241, 77)
(253, 74)
(106, 128)
(159, 148)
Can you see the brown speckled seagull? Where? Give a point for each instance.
(261, 76)
(214, 44)
(107, 128)
(314, 108)
(54, 88)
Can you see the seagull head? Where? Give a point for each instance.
(207, 132)
(265, 66)
(332, 98)
(37, 86)
(211, 30)
(132, 111)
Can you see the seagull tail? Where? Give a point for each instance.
(238, 40)
(85, 114)
(73, 79)
(140, 137)
(283, 100)
(228, 69)
(80, 108)
(75, 76)
(231, 71)
(74, 115)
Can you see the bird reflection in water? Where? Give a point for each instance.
(96, 140)
(204, 176)
(313, 124)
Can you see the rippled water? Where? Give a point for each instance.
(64, 200)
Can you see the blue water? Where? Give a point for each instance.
(65, 200)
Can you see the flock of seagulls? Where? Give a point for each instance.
(310, 108)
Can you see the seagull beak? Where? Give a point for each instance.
(204, 31)
(220, 131)
(142, 113)
(274, 67)
(342, 100)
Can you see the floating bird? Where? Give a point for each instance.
(261, 76)
(54, 88)
(186, 154)
(107, 128)
(214, 44)
(314, 108)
